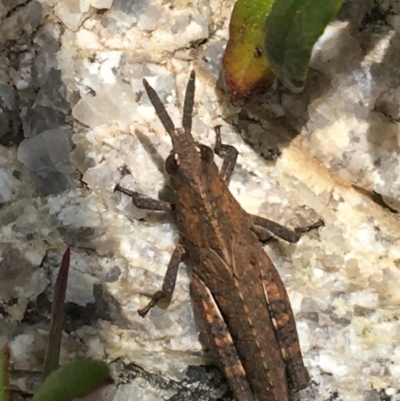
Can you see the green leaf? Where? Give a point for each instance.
(76, 379)
(57, 318)
(4, 373)
(291, 29)
(244, 65)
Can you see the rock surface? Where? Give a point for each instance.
(74, 120)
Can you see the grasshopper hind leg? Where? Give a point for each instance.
(221, 340)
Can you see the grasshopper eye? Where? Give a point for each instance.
(206, 153)
(172, 163)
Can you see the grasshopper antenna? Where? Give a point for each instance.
(188, 104)
(160, 109)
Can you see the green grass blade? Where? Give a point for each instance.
(57, 317)
(4, 373)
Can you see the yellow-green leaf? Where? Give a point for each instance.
(245, 67)
(291, 29)
(75, 379)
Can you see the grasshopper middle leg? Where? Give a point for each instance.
(229, 155)
(168, 286)
(283, 232)
(144, 202)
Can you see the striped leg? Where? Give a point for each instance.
(221, 341)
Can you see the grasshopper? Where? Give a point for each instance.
(237, 290)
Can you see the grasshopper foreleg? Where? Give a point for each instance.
(228, 153)
(145, 202)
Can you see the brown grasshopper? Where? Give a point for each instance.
(236, 288)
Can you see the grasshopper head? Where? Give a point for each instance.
(187, 159)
